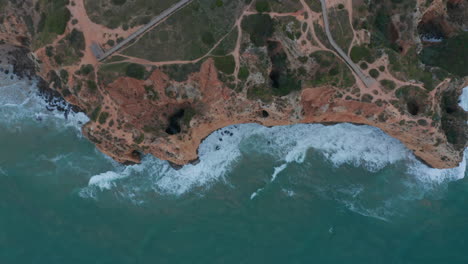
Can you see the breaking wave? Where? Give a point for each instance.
(339, 145)
(464, 99)
(358, 146)
(20, 100)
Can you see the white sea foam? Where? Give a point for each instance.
(255, 194)
(288, 192)
(20, 100)
(464, 99)
(277, 171)
(105, 180)
(360, 146)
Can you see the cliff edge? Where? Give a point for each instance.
(397, 66)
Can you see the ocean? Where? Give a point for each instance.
(292, 194)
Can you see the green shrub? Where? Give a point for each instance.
(57, 17)
(259, 27)
(64, 75)
(262, 6)
(374, 73)
(140, 138)
(103, 117)
(388, 85)
(136, 71)
(94, 115)
(243, 73)
(49, 51)
(86, 69)
(451, 55)
(225, 64)
(118, 2)
(287, 83)
(208, 38)
(359, 53)
(77, 39)
(92, 86)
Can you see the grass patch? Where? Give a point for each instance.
(103, 117)
(262, 6)
(136, 71)
(340, 28)
(95, 113)
(243, 73)
(225, 64)
(53, 21)
(181, 72)
(388, 85)
(115, 13)
(451, 55)
(359, 53)
(259, 27)
(188, 34)
(332, 71)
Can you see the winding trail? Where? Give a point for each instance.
(369, 82)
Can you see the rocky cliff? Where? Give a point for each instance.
(273, 65)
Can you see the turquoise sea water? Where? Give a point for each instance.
(297, 194)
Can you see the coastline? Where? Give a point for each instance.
(24, 66)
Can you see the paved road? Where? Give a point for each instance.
(366, 80)
(145, 28)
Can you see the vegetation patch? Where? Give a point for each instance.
(314, 5)
(262, 6)
(408, 67)
(260, 92)
(454, 120)
(136, 71)
(243, 73)
(451, 55)
(259, 27)
(225, 64)
(181, 72)
(190, 33)
(388, 85)
(115, 13)
(69, 50)
(95, 113)
(332, 71)
(103, 117)
(359, 53)
(340, 28)
(284, 6)
(289, 26)
(53, 21)
(374, 73)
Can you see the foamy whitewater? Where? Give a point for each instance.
(20, 100)
(339, 145)
(359, 146)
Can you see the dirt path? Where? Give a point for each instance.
(93, 33)
(162, 63)
(155, 21)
